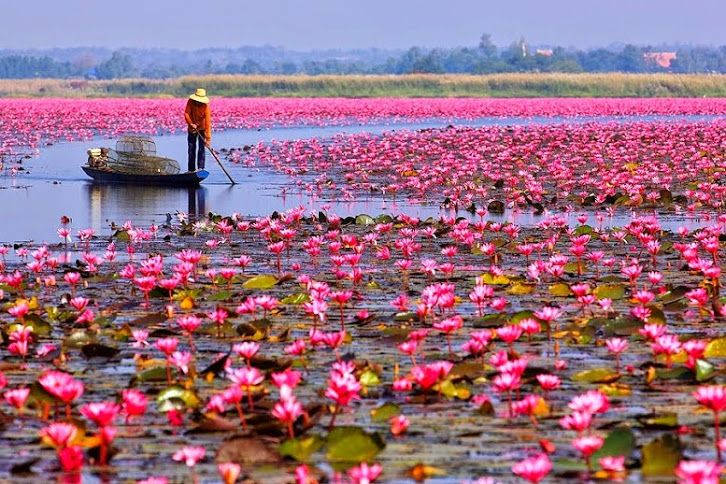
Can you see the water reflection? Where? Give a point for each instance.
(136, 202)
(197, 201)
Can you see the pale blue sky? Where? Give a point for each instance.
(307, 24)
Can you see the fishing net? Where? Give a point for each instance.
(134, 154)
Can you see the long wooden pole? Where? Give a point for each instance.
(201, 138)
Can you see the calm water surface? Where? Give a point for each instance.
(32, 203)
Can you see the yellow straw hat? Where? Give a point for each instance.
(200, 95)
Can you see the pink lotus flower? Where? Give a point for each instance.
(134, 403)
(713, 397)
(587, 445)
(364, 473)
(59, 434)
(229, 472)
(699, 472)
(533, 469)
(101, 413)
(190, 455)
(71, 458)
(592, 402)
(17, 397)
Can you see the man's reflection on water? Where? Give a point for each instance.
(144, 205)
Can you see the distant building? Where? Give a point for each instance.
(544, 52)
(663, 59)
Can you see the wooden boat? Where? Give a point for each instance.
(188, 179)
(134, 161)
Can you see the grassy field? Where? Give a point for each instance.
(415, 85)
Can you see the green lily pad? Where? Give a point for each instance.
(156, 373)
(678, 373)
(656, 316)
(560, 289)
(716, 348)
(610, 291)
(450, 390)
(620, 441)
(297, 298)
(364, 219)
(495, 280)
(262, 281)
(222, 295)
(584, 230)
(519, 288)
(667, 420)
(704, 370)
(573, 267)
(176, 396)
(661, 456)
(40, 326)
(353, 445)
(520, 315)
(301, 448)
(490, 320)
(385, 412)
(596, 375)
(369, 378)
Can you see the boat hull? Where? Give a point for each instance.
(188, 179)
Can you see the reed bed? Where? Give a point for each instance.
(414, 85)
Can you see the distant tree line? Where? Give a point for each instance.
(483, 58)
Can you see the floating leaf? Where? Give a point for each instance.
(369, 378)
(704, 370)
(211, 422)
(656, 316)
(297, 298)
(574, 267)
(405, 316)
(263, 281)
(680, 373)
(493, 280)
(496, 206)
(450, 390)
(150, 319)
(92, 350)
(615, 389)
(620, 441)
(246, 451)
(78, 339)
(584, 230)
(661, 456)
(121, 236)
(667, 420)
(385, 412)
(596, 375)
(364, 219)
(156, 373)
(301, 448)
(173, 396)
(620, 326)
(520, 315)
(353, 445)
(716, 348)
(609, 291)
(560, 289)
(222, 295)
(519, 288)
(40, 326)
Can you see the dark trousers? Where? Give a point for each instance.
(195, 144)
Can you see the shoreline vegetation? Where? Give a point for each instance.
(410, 85)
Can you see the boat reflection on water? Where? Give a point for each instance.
(109, 203)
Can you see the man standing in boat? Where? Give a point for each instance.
(199, 122)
